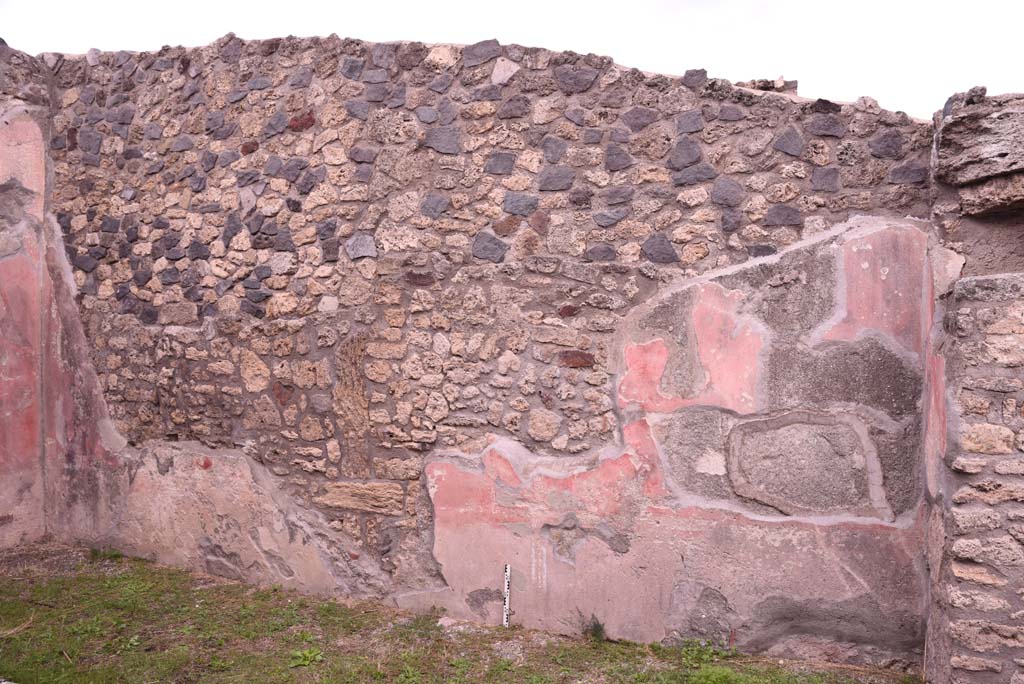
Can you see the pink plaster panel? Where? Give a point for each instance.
(728, 349)
(885, 275)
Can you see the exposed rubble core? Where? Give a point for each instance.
(377, 319)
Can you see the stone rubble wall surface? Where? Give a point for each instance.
(376, 319)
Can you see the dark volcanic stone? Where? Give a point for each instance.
(616, 158)
(727, 192)
(609, 217)
(694, 78)
(500, 163)
(84, 262)
(639, 118)
(790, 142)
(826, 106)
(600, 252)
(181, 144)
(574, 78)
(685, 153)
(825, 179)
(519, 203)
(690, 121)
(434, 204)
(659, 250)
(826, 125)
(731, 113)
(698, 173)
(761, 250)
(783, 215)
(554, 148)
(443, 139)
(515, 107)
(427, 115)
(363, 153)
(888, 144)
(479, 53)
(358, 109)
(352, 68)
(909, 173)
(361, 245)
(553, 178)
(618, 194)
(732, 220)
(488, 247)
(301, 122)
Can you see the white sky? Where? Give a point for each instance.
(908, 55)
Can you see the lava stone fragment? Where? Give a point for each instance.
(592, 136)
(208, 160)
(89, 141)
(698, 173)
(427, 115)
(600, 252)
(480, 53)
(198, 251)
(247, 177)
(309, 180)
(580, 197)
(441, 82)
(694, 78)
(301, 77)
(86, 263)
(500, 163)
(825, 125)
(659, 250)
(887, 144)
(616, 158)
(782, 215)
(761, 250)
(514, 107)
(690, 121)
(170, 276)
(574, 78)
(110, 224)
(181, 144)
(420, 278)
(363, 153)
(731, 113)
(554, 148)
(228, 157)
(358, 109)
(352, 68)
(685, 152)
(639, 118)
(732, 220)
(443, 139)
(377, 92)
(489, 248)
(825, 179)
(826, 107)
(294, 205)
(555, 178)
(361, 245)
(276, 124)
(727, 192)
(330, 248)
(790, 142)
(375, 76)
(609, 217)
(293, 168)
(519, 203)
(618, 194)
(434, 204)
(909, 173)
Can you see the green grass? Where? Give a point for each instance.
(112, 619)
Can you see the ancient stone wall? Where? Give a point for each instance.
(978, 555)
(379, 319)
